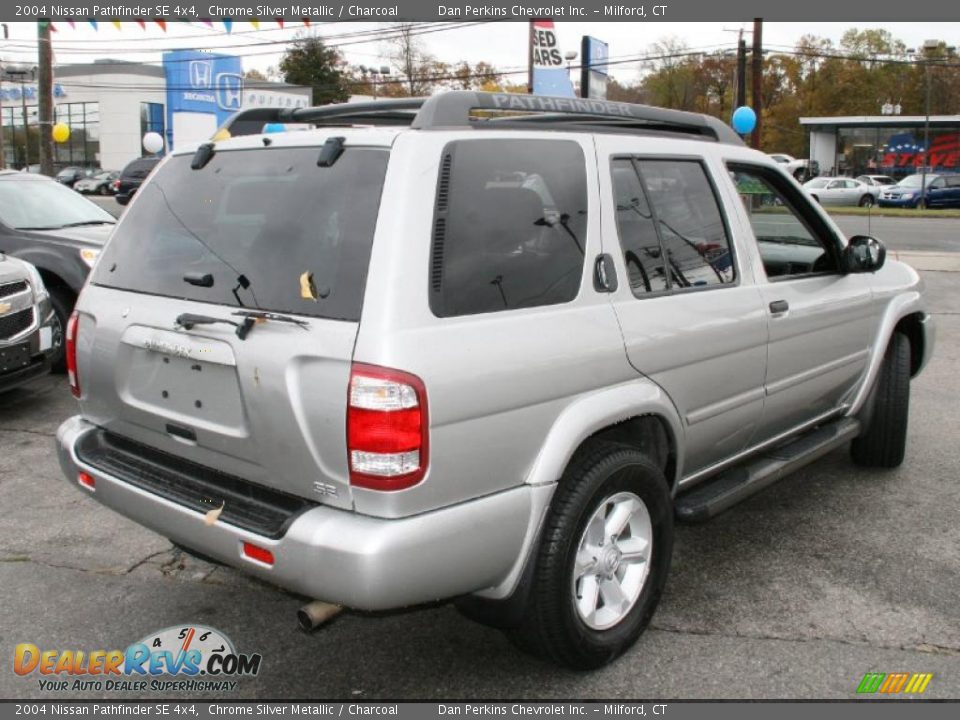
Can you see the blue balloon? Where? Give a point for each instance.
(744, 120)
(274, 128)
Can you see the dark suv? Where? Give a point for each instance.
(132, 177)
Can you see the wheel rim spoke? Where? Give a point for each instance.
(586, 559)
(589, 593)
(613, 595)
(595, 531)
(618, 519)
(634, 550)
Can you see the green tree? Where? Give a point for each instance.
(310, 62)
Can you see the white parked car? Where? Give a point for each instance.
(841, 191)
(878, 183)
(801, 169)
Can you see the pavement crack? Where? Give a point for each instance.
(28, 432)
(147, 559)
(927, 648)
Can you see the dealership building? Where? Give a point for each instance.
(110, 105)
(883, 144)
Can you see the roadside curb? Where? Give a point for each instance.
(931, 261)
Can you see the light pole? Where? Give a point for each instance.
(570, 56)
(375, 72)
(929, 48)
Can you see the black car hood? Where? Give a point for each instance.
(95, 235)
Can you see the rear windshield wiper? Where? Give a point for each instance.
(250, 318)
(261, 316)
(89, 222)
(188, 321)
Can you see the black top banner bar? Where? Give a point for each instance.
(486, 10)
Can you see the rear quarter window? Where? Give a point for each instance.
(509, 226)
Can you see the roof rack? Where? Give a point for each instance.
(456, 109)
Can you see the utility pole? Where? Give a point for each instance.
(45, 97)
(741, 72)
(757, 79)
(530, 40)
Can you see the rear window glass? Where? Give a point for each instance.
(273, 230)
(510, 226)
(139, 168)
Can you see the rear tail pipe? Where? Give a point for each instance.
(316, 613)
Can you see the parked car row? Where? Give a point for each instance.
(94, 181)
(942, 191)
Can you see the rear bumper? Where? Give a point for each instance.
(341, 557)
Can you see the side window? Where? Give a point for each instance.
(671, 230)
(790, 242)
(509, 227)
(953, 181)
(638, 231)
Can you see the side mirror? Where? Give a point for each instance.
(864, 254)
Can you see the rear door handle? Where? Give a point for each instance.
(778, 307)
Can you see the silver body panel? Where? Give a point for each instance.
(511, 394)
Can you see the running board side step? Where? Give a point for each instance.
(737, 484)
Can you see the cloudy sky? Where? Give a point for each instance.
(503, 44)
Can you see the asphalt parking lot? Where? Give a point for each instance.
(832, 573)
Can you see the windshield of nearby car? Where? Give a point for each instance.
(818, 183)
(884, 180)
(915, 181)
(41, 204)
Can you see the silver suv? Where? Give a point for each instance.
(481, 347)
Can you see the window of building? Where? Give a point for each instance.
(83, 146)
(510, 226)
(152, 120)
(671, 229)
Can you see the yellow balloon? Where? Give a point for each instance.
(61, 132)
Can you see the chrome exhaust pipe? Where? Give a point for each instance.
(316, 613)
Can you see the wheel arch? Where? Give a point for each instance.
(912, 326)
(638, 413)
(904, 314)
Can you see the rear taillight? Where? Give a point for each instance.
(387, 438)
(71, 349)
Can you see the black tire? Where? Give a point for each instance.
(551, 626)
(884, 441)
(104, 190)
(867, 201)
(62, 300)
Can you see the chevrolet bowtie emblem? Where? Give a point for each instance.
(5, 308)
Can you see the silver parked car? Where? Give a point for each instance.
(842, 191)
(29, 333)
(486, 358)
